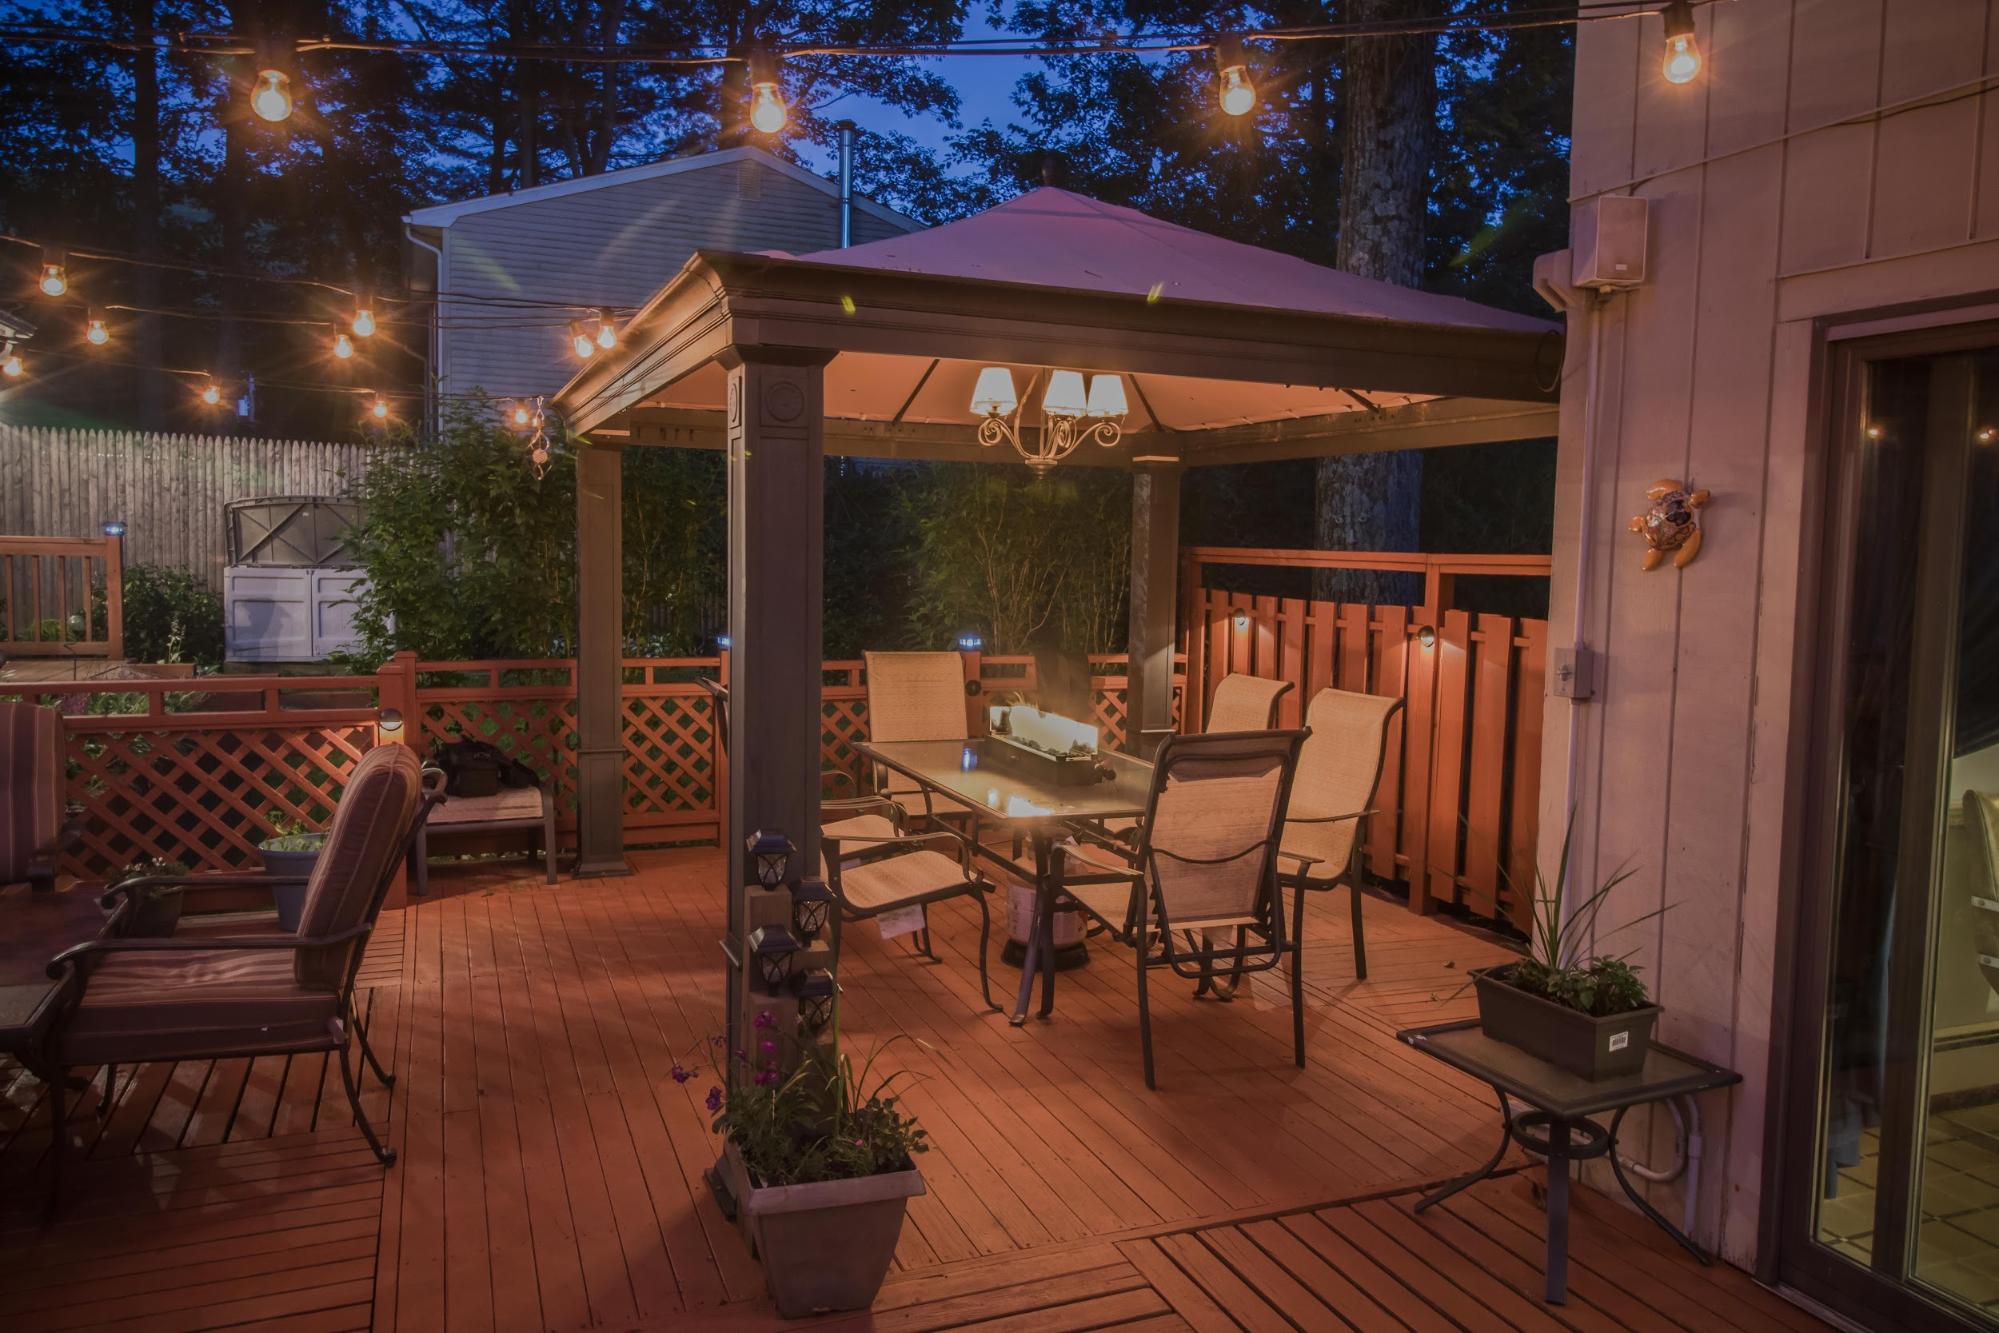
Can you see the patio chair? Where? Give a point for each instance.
(1325, 825)
(917, 697)
(33, 833)
(218, 997)
(881, 823)
(1199, 891)
(1245, 703)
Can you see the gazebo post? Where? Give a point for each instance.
(600, 731)
(1155, 563)
(776, 449)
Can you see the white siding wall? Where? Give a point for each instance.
(1766, 216)
(615, 245)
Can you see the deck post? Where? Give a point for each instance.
(1155, 566)
(776, 450)
(600, 732)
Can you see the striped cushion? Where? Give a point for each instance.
(172, 1005)
(30, 786)
(369, 826)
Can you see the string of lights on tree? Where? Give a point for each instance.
(271, 99)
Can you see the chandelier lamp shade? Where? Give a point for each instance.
(1074, 410)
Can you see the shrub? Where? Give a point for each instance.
(171, 616)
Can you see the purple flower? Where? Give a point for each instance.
(767, 1046)
(680, 1074)
(766, 1019)
(714, 1099)
(718, 1041)
(765, 1077)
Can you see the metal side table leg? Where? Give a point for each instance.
(1557, 1292)
(1445, 1191)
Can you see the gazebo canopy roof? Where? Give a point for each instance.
(1232, 352)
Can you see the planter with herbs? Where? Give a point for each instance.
(155, 911)
(819, 1165)
(1588, 1014)
(292, 851)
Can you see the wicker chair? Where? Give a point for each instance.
(1326, 823)
(33, 833)
(213, 997)
(1245, 703)
(917, 697)
(1204, 870)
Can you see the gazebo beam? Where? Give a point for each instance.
(600, 723)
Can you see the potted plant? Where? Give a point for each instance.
(820, 1165)
(292, 851)
(155, 911)
(1587, 1013)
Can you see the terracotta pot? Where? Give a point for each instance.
(825, 1246)
(1581, 1043)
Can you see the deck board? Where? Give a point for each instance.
(550, 1172)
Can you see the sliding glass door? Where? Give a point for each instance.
(1892, 1173)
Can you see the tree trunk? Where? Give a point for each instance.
(148, 386)
(1374, 501)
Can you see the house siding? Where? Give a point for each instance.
(1769, 223)
(614, 246)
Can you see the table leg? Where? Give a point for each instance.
(1644, 1205)
(1037, 955)
(1557, 1292)
(1446, 1190)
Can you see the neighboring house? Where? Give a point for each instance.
(510, 267)
(1794, 741)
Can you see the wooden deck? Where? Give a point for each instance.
(550, 1169)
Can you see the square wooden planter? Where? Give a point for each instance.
(1583, 1044)
(825, 1246)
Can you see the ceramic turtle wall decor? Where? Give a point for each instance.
(1673, 523)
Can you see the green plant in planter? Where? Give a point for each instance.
(291, 835)
(155, 910)
(1555, 967)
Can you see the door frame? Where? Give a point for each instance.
(1792, 1163)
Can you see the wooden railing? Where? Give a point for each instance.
(62, 596)
(1460, 791)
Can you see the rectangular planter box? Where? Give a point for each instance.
(824, 1246)
(1580, 1043)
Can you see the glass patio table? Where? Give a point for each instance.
(1039, 811)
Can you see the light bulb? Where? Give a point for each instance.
(272, 97)
(379, 409)
(767, 108)
(1238, 94)
(364, 323)
(94, 331)
(10, 363)
(607, 332)
(1683, 54)
(55, 278)
(521, 417)
(580, 340)
(211, 394)
(343, 346)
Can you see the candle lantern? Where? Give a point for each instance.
(772, 947)
(815, 1002)
(770, 854)
(811, 903)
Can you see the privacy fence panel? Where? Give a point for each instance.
(168, 489)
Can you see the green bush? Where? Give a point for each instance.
(171, 616)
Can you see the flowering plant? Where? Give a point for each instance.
(819, 1121)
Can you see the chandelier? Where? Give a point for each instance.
(1070, 414)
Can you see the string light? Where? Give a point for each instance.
(55, 273)
(364, 322)
(271, 99)
(10, 362)
(580, 340)
(1683, 53)
(343, 346)
(94, 331)
(1237, 93)
(767, 111)
(607, 332)
(379, 409)
(211, 394)
(521, 415)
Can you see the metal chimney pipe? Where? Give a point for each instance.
(846, 131)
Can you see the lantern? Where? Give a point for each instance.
(770, 854)
(772, 948)
(815, 1002)
(811, 903)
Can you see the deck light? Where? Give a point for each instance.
(994, 395)
(1683, 53)
(770, 854)
(1987, 434)
(580, 340)
(363, 323)
(767, 111)
(10, 362)
(1238, 94)
(94, 331)
(114, 528)
(271, 99)
(343, 346)
(55, 273)
(815, 1001)
(773, 947)
(970, 643)
(811, 902)
(1427, 635)
(607, 332)
(389, 725)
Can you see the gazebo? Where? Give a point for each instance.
(1229, 353)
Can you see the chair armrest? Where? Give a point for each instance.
(191, 944)
(1305, 862)
(177, 883)
(1104, 872)
(901, 842)
(1327, 819)
(836, 777)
